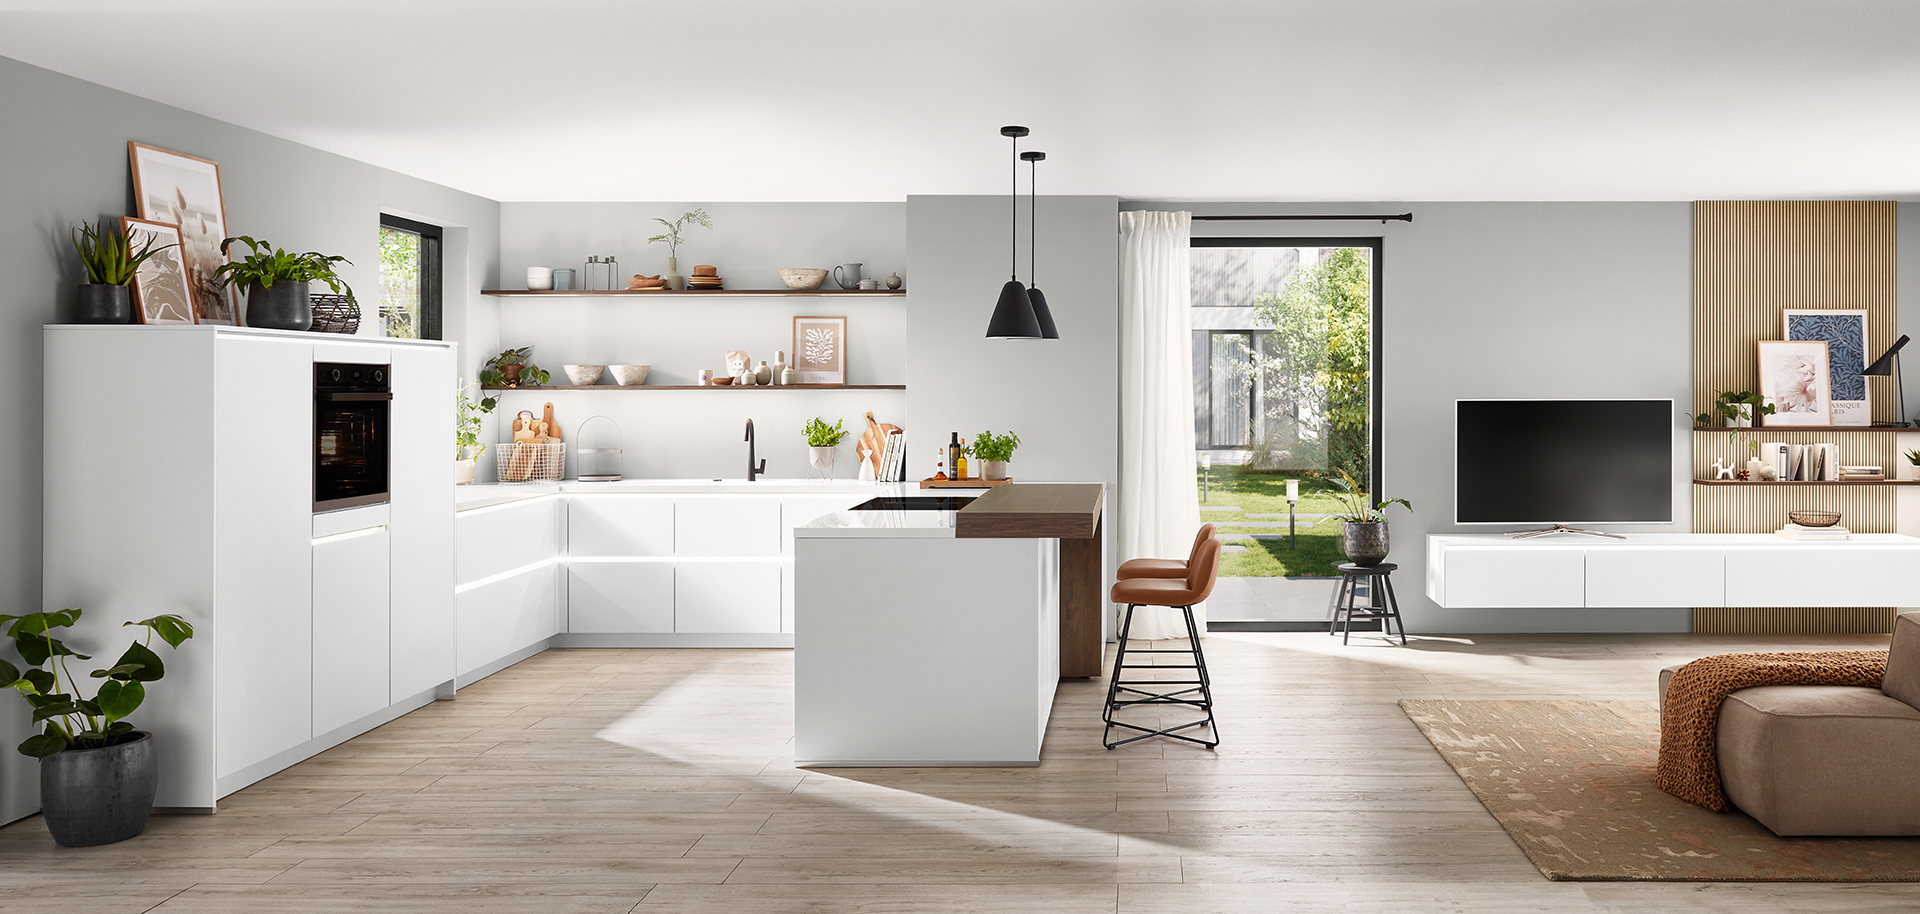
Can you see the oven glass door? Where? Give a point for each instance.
(350, 452)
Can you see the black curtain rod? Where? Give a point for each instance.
(1402, 217)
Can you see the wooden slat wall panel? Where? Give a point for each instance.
(1751, 259)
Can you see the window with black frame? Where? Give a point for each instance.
(409, 279)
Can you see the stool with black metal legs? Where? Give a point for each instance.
(1197, 692)
(1386, 609)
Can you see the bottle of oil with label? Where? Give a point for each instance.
(953, 455)
(960, 469)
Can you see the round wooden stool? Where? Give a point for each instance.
(1387, 610)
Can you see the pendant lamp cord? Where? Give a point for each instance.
(1013, 204)
(1033, 211)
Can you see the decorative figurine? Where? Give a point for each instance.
(1721, 470)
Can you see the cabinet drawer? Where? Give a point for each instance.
(620, 525)
(1822, 574)
(1513, 578)
(620, 597)
(488, 541)
(726, 526)
(1631, 576)
(711, 597)
(504, 616)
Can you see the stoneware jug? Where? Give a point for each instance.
(779, 366)
(850, 278)
(763, 375)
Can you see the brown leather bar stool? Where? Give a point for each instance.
(1181, 594)
(1165, 568)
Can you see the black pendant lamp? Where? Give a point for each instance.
(1013, 317)
(1040, 311)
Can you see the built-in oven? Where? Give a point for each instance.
(352, 412)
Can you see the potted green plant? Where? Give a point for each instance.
(277, 283)
(821, 440)
(1363, 535)
(97, 773)
(993, 452)
(1913, 462)
(513, 368)
(672, 237)
(111, 262)
(467, 446)
(1736, 409)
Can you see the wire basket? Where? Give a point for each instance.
(335, 314)
(531, 461)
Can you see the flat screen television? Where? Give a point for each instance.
(1564, 462)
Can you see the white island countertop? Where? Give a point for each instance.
(481, 495)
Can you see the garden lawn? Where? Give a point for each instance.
(1317, 548)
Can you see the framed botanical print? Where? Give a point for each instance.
(184, 191)
(820, 350)
(1794, 377)
(1845, 333)
(160, 293)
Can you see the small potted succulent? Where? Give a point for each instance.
(277, 283)
(467, 446)
(1364, 534)
(513, 368)
(97, 773)
(1913, 462)
(671, 236)
(111, 262)
(993, 452)
(821, 441)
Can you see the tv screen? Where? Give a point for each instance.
(1564, 462)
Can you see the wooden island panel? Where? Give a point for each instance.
(1070, 513)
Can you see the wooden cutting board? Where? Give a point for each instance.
(872, 441)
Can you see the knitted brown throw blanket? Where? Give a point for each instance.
(1691, 713)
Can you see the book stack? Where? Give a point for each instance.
(1861, 474)
(1814, 534)
(893, 455)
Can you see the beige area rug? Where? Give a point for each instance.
(1572, 782)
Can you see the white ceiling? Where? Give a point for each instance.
(1168, 99)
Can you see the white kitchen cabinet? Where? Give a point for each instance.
(350, 623)
(616, 597)
(503, 617)
(501, 538)
(420, 642)
(725, 526)
(726, 597)
(620, 525)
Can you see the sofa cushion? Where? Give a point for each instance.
(1821, 760)
(1903, 660)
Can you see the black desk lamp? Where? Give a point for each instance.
(1889, 364)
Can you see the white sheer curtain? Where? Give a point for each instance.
(1158, 505)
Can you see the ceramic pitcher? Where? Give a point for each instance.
(850, 278)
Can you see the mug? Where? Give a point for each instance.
(706, 377)
(562, 280)
(539, 279)
(870, 284)
(852, 278)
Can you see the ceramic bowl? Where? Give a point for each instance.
(803, 280)
(722, 382)
(584, 375)
(629, 375)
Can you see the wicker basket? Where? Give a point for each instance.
(1814, 518)
(335, 314)
(527, 461)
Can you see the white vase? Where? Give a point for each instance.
(821, 458)
(994, 469)
(780, 366)
(763, 375)
(463, 471)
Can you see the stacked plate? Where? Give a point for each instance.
(704, 277)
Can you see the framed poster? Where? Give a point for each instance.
(820, 350)
(160, 293)
(1795, 379)
(184, 191)
(1845, 332)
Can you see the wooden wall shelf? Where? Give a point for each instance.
(1808, 482)
(694, 293)
(704, 387)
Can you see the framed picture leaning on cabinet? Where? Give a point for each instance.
(820, 350)
(1845, 332)
(184, 191)
(160, 294)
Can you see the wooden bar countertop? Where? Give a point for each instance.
(1067, 511)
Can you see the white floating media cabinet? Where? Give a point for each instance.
(1672, 570)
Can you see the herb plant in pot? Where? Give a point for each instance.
(1363, 535)
(467, 446)
(277, 283)
(821, 441)
(513, 368)
(994, 452)
(97, 773)
(110, 262)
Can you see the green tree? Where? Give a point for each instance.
(1317, 367)
(400, 283)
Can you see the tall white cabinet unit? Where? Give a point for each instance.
(178, 479)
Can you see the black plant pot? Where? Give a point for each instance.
(284, 306)
(99, 796)
(1365, 544)
(100, 303)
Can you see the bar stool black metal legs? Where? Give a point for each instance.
(1197, 692)
(1387, 610)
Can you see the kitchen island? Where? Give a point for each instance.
(931, 635)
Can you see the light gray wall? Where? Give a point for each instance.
(1061, 396)
(1907, 297)
(1523, 300)
(63, 151)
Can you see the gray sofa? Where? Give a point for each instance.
(1827, 760)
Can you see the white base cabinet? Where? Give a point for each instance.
(350, 614)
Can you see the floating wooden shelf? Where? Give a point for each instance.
(1809, 428)
(707, 387)
(1808, 482)
(694, 293)
(971, 482)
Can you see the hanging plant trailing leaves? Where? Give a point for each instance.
(73, 721)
